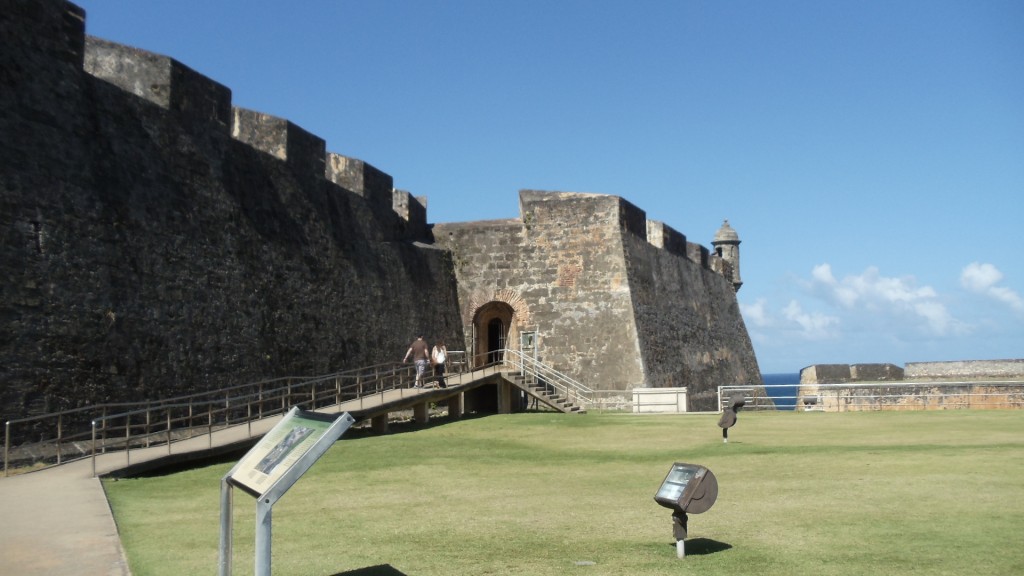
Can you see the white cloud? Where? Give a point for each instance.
(844, 295)
(756, 313)
(813, 326)
(789, 324)
(978, 277)
(886, 296)
(936, 316)
(982, 279)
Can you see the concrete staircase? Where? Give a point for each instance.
(544, 392)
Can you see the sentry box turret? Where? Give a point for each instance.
(688, 488)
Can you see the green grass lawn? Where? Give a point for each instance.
(799, 493)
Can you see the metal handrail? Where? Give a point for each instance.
(127, 426)
(859, 396)
(574, 391)
(91, 428)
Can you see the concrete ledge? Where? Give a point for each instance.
(659, 400)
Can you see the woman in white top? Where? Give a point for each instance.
(438, 356)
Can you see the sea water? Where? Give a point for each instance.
(782, 389)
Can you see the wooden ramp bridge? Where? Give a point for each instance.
(126, 439)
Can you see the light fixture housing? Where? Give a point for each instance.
(688, 489)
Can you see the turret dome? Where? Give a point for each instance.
(726, 233)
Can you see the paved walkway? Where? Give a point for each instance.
(57, 522)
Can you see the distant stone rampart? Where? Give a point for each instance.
(921, 385)
(965, 370)
(948, 371)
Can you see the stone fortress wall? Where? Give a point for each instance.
(930, 385)
(617, 301)
(947, 371)
(158, 241)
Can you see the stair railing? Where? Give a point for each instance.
(537, 372)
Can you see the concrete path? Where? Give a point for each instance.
(57, 521)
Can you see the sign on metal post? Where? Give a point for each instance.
(270, 468)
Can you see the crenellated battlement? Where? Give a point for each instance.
(201, 103)
(204, 104)
(192, 98)
(162, 241)
(581, 208)
(303, 151)
(663, 236)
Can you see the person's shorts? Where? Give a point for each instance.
(421, 367)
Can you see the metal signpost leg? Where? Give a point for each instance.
(226, 527)
(270, 468)
(264, 507)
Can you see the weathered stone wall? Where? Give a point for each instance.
(689, 323)
(912, 396)
(914, 371)
(561, 269)
(976, 384)
(825, 373)
(157, 242)
(839, 373)
(610, 309)
(965, 370)
(875, 372)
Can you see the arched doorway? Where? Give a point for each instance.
(492, 326)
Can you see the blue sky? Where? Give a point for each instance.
(869, 153)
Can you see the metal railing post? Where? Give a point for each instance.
(103, 431)
(60, 430)
(209, 424)
(93, 448)
(7, 444)
(127, 439)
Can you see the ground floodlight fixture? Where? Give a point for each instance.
(688, 488)
(728, 419)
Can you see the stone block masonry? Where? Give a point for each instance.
(612, 307)
(158, 242)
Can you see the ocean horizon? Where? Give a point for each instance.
(782, 388)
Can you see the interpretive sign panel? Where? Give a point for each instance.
(281, 449)
(270, 468)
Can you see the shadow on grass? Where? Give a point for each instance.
(186, 461)
(704, 546)
(381, 570)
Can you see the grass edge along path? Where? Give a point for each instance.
(547, 494)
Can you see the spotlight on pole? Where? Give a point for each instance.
(688, 488)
